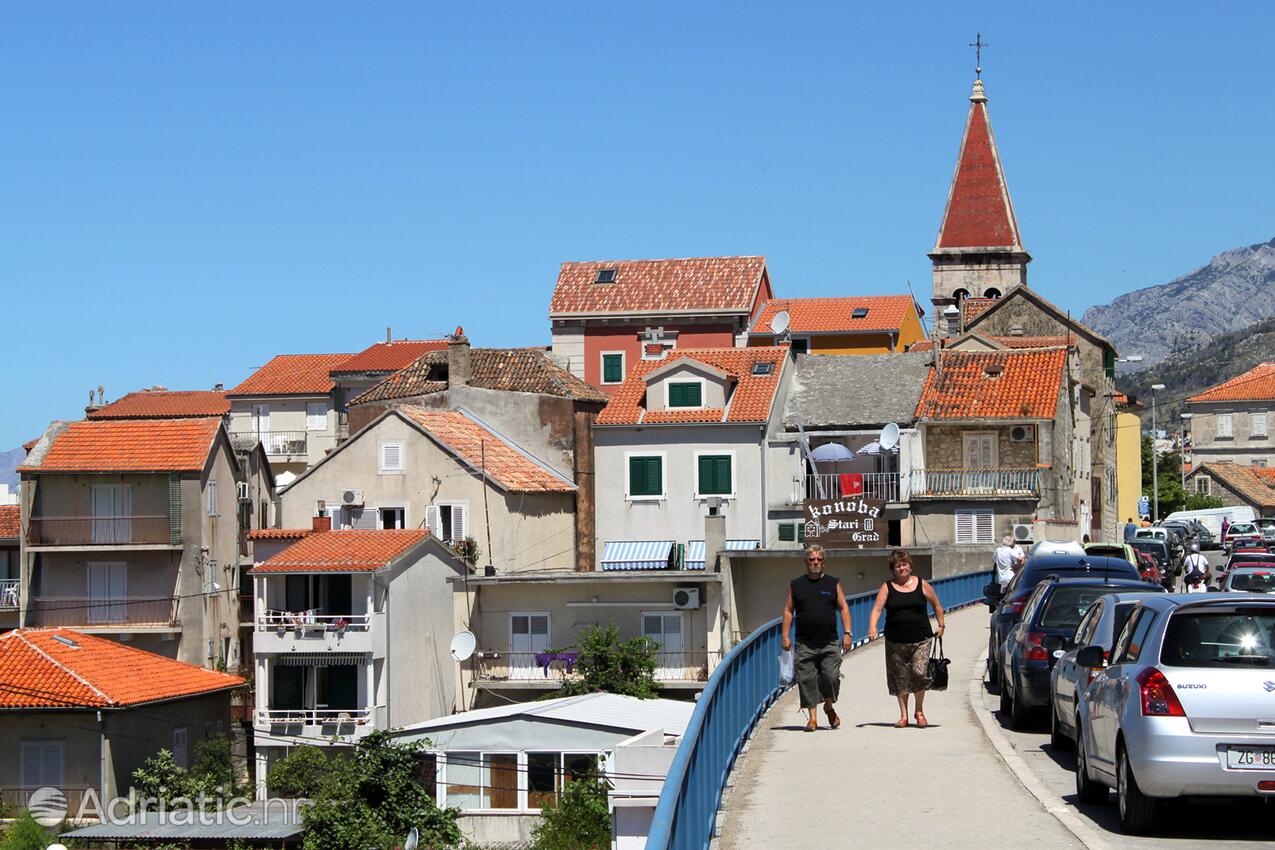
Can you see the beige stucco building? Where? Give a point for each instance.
(1230, 422)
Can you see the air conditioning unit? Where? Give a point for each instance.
(1022, 434)
(686, 597)
(241, 490)
(1022, 532)
(352, 498)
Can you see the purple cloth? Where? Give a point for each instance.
(544, 659)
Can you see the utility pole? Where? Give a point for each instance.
(1155, 466)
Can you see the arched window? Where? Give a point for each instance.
(960, 295)
(992, 293)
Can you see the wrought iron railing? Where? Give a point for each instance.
(874, 485)
(274, 442)
(314, 716)
(974, 482)
(310, 622)
(496, 666)
(122, 611)
(98, 530)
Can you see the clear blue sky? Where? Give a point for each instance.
(189, 189)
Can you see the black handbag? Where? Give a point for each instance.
(937, 668)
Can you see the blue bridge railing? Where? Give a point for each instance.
(738, 693)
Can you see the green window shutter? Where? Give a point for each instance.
(684, 395)
(787, 532)
(645, 476)
(714, 475)
(612, 368)
(801, 532)
(174, 510)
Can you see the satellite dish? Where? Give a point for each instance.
(413, 837)
(463, 645)
(779, 323)
(889, 436)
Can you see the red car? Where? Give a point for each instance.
(1148, 568)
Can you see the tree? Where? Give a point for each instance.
(25, 834)
(160, 780)
(213, 774)
(1169, 475)
(1202, 502)
(609, 664)
(577, 820)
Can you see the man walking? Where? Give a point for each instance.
(1006, 561)
(815, 598)
(1130, 529)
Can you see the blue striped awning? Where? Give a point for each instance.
(637, 554)
(695, 551)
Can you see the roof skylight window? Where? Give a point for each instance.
(859, 313)
(605, 276)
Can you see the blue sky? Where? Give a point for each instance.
(187, 190)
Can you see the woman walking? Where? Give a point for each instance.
(908, 638)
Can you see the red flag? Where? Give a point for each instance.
(852, 484)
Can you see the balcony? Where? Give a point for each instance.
(14, 798)
(974, 483)
(876, 485)
(547, 670)
(306, 631)
(275, 443)
(105, 531)
(10, 589)
(334, 721)
(111, 613)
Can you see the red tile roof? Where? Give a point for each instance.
(696, 285)
(751, 400)
(972, 308)
(164, 404)
(1252, 483)
(834, 315)
(279, 533)
(979, 213)
(1026, 387)
(349, 550)
(521, 370)
(128, 445)
(292, 374)
(1007, 341)
(508, 467)
(60, 668)
(389, 356)
(1257, 384)
(10, 522)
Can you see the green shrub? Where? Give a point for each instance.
(577, 820)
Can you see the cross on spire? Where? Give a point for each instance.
(978, 44)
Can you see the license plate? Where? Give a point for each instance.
(1250, 758)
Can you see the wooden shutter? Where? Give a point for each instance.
(714, 475)
(174, 510)
(685, 394)
(980, 451)
(179, 746)
(1223, 425)
(984, 527)
(459, 526)
(645, 476)
(964, 526)
(1259, 424)
(653, 627)
(787, 532)
(362, 518)
(612, 368)
(432, 521)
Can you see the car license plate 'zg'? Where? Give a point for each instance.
(1250, 758)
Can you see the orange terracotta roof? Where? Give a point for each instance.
(1007, 341)
(1026, 386)
(128, 445)
(1254, 484)
(694, 285)
(61, 668)
(164, 404)
(1257, 384)
(279, 533)
(751, 400)
(10, 522)
(835, 315)
(348, 550)
(971, 308)
(389, 356)
(292, 374)
(508, 467)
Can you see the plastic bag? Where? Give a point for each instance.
(787, 667)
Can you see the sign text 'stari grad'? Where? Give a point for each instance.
(854, 521)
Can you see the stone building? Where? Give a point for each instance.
(1230, 422)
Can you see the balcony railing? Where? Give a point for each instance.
(99, 530)
(274, 442)
(314, 716)
(533, 667)
(14, 798)
(876, 485)
(305, 622)
(938, 483)
(9, 593)
(109, 611)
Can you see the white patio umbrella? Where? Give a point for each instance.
(831, 452)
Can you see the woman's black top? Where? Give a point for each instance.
(907, 615)
(814, 601)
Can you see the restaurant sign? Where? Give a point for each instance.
(852, 521)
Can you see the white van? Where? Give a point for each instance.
(1212, 518)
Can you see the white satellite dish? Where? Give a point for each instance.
(779, 323)
(889, 436)
(463, 645)
(413, 840)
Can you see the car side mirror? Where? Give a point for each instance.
(993, 591)
(1090, 656)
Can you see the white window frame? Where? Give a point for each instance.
(663, 456)
(443, 760)
(380, 457)
(974, 538)
(316, 422)
(434, 519)
(602, 368)
(1225, 427)
(1203, 485)
(1254, 430)
(529, 614)
(668, 390)
(734, 478)
(407, 518)
(212, 497)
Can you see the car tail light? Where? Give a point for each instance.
(1016, 606)
(1266, 785)
(1036, 647)
(1158, 698)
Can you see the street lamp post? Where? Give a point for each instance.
(1186, 422)
(1155, 466)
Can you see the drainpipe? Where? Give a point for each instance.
(101, 758)
(764, 503)
(385, 667)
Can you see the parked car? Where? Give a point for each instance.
(1243, 558)
(1203, 535)
(1100, 625)
(1240, 533)
(1044, 632)
(1212, 517)
(1007, 607)
(1159, 550)
(1148, 568)
(1251, 578)
(1178, 712)
(1171, 542)
(1113, 550)
(1267, 526)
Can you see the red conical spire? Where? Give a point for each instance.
(979, 213)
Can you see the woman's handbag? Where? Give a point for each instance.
(937, 668)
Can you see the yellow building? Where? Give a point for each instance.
(876, 324)
(1128, 464)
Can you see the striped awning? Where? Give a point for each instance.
(695, 551)
(637, 554)
(320, 659)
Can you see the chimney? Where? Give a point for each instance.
(714, 534)
(389, 337)
(458, 359)
(952, 316)
(321, 523)
(219, 387)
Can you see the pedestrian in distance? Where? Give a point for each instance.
(1006, 561)
(815, 599)
(1020, 557)
(1197, 572)
(905, 598)
(1226, 526)
(1130, 529)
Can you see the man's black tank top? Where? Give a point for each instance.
(815, 604)
(907, 616)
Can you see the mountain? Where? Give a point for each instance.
(9, 462)
(1232, 292)
(1226, 356)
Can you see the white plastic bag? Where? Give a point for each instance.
(787, 667)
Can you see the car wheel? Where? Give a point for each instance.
(1005, 702)
(1137, 810)
(1019, 714)
(1057, 737)
(1087, 791)
(993, 665)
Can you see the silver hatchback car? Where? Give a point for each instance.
(1185, 708)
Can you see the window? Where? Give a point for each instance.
(180, 756)
(543, 781)
(605, 276)
(448, 521)
(787, 532)
(665, 629)
(112, 513)
(612, 367)
(980, 451)
(1259, 425)
(212, 498)
(975, 525)
(464, 775)
(1224, 426)
(646, 477)
(482, 780)
(766, 368)
(859, 313)
(529, 634)
(685, 394)
(391, 457)
(316, 416)
(41, 764)
(107, 589)
(1133, 637)
(1088, 625)
(713, 475)
(1203, 484)
(392, 517)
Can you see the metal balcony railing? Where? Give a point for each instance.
(98, 530)
(314, 716)
(10, 588)
(974, 482)
(110, 611)
(497, 666)
(15, 798)
(876, 485)
(275, 443)
(311, 622)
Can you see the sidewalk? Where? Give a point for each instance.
(868, 784)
